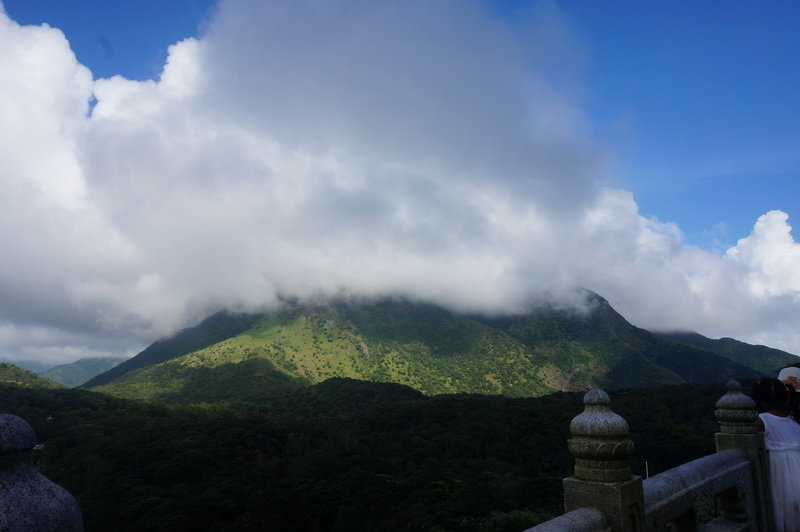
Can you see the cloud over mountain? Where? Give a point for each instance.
(306, 147)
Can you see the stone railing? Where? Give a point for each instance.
(727, 490)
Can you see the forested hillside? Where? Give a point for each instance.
(12, 374)
(340, 455)
(759, 357)
(417, 344)
(213, 329)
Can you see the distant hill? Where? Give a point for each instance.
(759, 357)
(420, 345)
(11, 374)
(211, 330)
(78, 372)
(30, 365)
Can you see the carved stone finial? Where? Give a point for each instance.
(29, 501)
(736, 412)
(15, 434)
(600, 442)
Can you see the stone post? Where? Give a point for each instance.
(28, 501)
(602, 479)
(736, 414)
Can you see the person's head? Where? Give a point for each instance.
(770, 393)
(790, 375)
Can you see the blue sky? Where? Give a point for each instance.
(481, 154)
(128, 37)
(709, 92)
(696, 103)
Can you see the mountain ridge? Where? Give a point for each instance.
(211, 330)
(78, 372)
(413, 343)
(13, 374)
(766, 359)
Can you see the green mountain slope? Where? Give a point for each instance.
(759, 357)
(30, 365)
(600, 348)
(11, 374)
(78, 372)
(420, 345)
(213, 329)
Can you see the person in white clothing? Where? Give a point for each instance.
(790, 375)
(782, 439)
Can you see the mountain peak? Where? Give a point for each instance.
(415, 343)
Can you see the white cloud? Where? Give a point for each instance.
(304, 147)
(751, 292)
(770, 256)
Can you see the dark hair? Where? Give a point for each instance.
(770, 393)
(794, 402)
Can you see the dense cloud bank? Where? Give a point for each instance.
(308, 148)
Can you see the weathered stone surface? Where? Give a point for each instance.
(597, 418)
(732, 483)
(578, 520)
(723, 525)
(620, 502)
(736, 412)
(29, 501)
(691, 490)
(603, 480)
(15, 434)
(600, 442)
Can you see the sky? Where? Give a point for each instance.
(160, 161)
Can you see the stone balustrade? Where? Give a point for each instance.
(578, 520)
(728, 490)
(681, 497)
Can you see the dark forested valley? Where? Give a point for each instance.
(339, 455)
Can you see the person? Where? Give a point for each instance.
(790, 376)
(782, 439)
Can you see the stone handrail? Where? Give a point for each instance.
(727, 490)
(691, 490)
(578, 520)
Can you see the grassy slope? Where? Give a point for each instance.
(11, 374)
(211, 330)
(602, 348)
(422, 346)
(78, 372)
